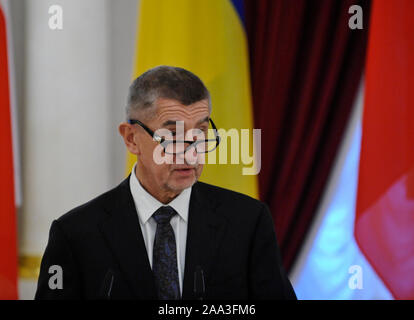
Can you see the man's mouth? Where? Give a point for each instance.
(184, 168)
(184, 171)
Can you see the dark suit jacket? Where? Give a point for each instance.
(100, 248)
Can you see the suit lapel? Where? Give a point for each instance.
(204, 234)
(123, 234)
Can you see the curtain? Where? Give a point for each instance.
(306, 65)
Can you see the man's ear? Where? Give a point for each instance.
(128, 133)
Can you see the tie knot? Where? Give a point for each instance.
(164, 214)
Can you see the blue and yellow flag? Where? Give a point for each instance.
(206, 37)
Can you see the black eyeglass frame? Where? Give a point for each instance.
(165, 142)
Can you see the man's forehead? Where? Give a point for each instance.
(169, 109)
(179, 122)
(165, 103)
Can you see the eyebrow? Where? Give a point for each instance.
(168, 123)
(173, 122)
(202, 120)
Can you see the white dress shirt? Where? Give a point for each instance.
(146, 205)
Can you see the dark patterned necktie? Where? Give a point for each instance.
(164, 258)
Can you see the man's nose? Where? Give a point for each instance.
(191, 156)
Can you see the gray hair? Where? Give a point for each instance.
(165, 82)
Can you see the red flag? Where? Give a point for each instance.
(8, 251)
(384, 225)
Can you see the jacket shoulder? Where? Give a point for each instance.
(93, 209)
(230, 198)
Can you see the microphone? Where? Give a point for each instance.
(107, 283)
(199, 285)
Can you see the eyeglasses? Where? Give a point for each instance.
(179, 146)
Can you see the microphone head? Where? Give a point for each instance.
(107, 283)
(199, 284)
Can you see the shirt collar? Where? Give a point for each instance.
(146, 204)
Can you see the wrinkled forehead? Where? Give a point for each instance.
(168, 111)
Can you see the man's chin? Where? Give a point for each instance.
(181, 184)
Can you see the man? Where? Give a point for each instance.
(161, 234)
